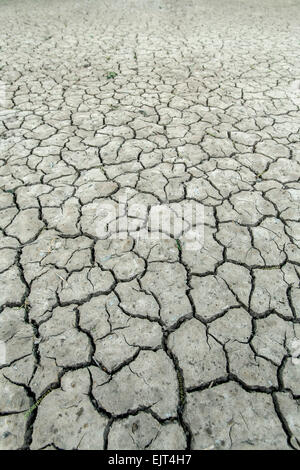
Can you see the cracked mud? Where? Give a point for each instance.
(110, 343)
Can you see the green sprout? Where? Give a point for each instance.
(178, 245)
(111, 75)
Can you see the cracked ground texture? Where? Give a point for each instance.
(119, 344)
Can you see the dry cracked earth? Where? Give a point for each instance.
(126, 343)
